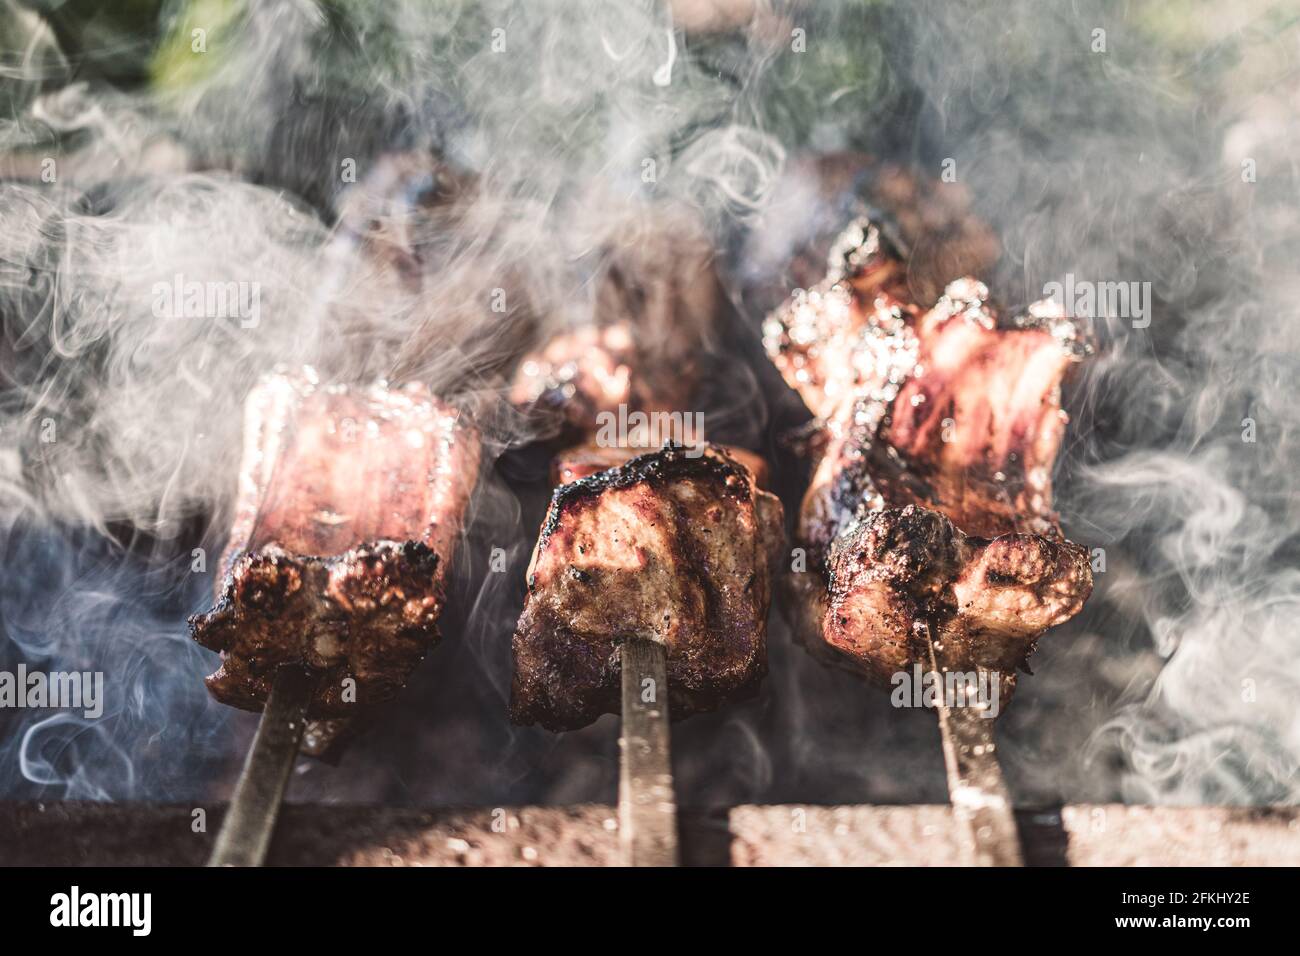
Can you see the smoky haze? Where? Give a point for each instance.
(576, 140)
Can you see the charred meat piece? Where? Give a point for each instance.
(851, 333)
(673, 545)
(979, 420)
(583, 372)
(654, 306)
(954, 534)
(577, 375)
(676, 546)
(963, 417)
(847, 347)
(895, 577)
(929, 511)
(350, 506)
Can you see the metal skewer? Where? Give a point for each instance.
(647, 807)
(246, 832)
(976, 787)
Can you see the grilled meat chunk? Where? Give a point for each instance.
(655, 303)
(979, 420)
(851, 333)
(674, 546)
(671, 543)
(350, 506)
(578, 374)
(898, 576)
(929, 511)
(963, 417)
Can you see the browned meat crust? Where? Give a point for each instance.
(578, 374)
(671, 547)
(350, 507)
(583, 461)
(963, 417)
(979, 420)
(851, 333)
(369, 614)
(901, 574)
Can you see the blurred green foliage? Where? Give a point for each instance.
(841, 68)
(821, 73)
(113, 40)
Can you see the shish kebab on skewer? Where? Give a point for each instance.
(648, 593)
(397, 230)
(928, 520)
(673, 545)
(350, 506)
(651, 564)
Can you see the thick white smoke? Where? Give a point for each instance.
(291, 153)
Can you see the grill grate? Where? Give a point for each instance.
(134, 834)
